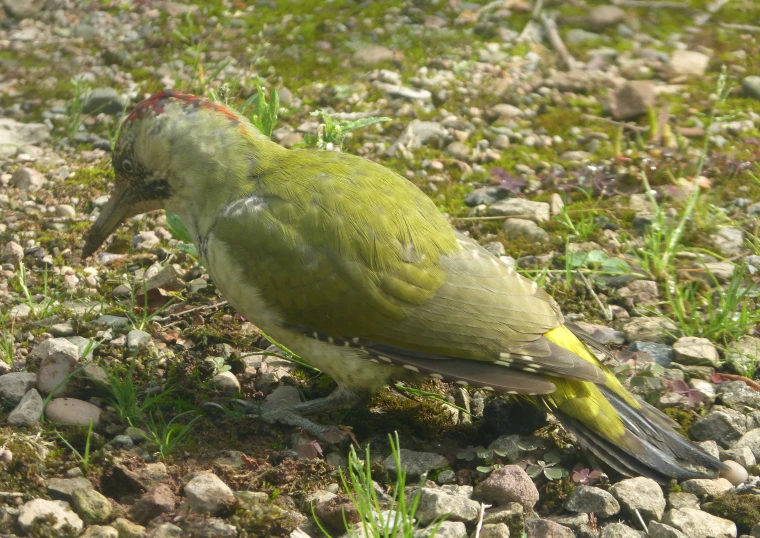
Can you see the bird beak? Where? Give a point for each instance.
(118, 209)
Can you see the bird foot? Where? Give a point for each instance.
(292, 414)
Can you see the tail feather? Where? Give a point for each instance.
(628, 434)
(646, 448)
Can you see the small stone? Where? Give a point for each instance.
(14, 134)
(525, 229)
(743, 456)
(27, 179)
(418, 134)
(93, 507)
(688, 62)
(15, 385)
(692, 350)
(156, 501)
(642, 494)
(605, 16)
(111, 321)
(683, 500)
(13, 253)
(620, 530)
(128, 529)
(751, 440)
(590, 499)
(496, 248)
(62, 329)
(632, 100)
(640, 293)
(165, 530)
(504, 111)
(722, 425)
(521, 208)
(61, 489)
(648, 329)
(735, 474)
(72, 411)
(411, 94)
(59, 359)
(737, 395)
(103, 101)
(508, 484)
(500, 530)
(546, 528)
(138, 339)
(486, 196)
(729, 240)
(447, 476)
(706, 487)
(207, 494)
(458, 150)
(751, 86)
(100, 531)
(66, 211)
(213, 527)
(145, 241)
(660, 530)
(226, 382)
(416, 463)
(372, 55)
(57, 511)
(576, 156)
(447, 529)
(434, 502)
(27, 412)
(170, 278)
(698, 524)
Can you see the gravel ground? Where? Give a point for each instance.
(588, 143)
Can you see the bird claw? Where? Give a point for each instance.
(292, 415)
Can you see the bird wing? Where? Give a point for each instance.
(348, 251)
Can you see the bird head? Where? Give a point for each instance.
(179, 152)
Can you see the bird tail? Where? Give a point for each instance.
(628, 434)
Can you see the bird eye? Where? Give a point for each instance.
(126, 165)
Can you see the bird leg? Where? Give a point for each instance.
(293, 414)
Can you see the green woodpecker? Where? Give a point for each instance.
(355, 269)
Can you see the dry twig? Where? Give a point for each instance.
(741, 27)
(550, 27)
(605, 310)
(625, 125)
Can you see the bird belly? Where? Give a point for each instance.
(351, 368)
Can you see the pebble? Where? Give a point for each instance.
(27, 412)
(226, 382)
(27, 179)
(416, 463)
(59, 359)
(736, 474)
(525, 229)
(72, 411)
(15, 385)
(642, 494)
(698, 524)
(506, 485)
(93, 507)
(207, 494)
(59, 511)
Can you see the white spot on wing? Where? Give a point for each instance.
(412, 368)
(436, 376)
(251, 204)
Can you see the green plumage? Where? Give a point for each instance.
(355, 269)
